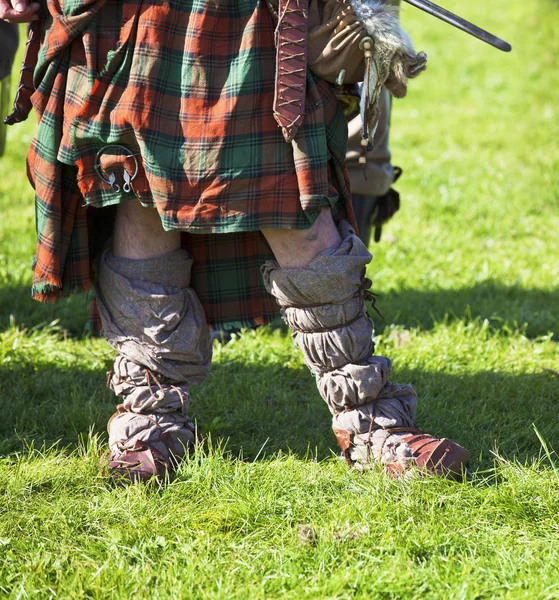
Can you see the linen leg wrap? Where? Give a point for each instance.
(155, 321)
(323, 303)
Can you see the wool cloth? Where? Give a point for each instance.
(155, 321)
(323, 303)
(184, 91)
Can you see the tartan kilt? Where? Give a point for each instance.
(180, 91)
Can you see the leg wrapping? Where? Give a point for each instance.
(152, 317)
(155, 321)
(371, 426)
(168, 433)
(142, 391)
(324, 305)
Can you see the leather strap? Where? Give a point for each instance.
(291, 66)
(22, 103)
(140, 463)
(432, 455)
(345, 440)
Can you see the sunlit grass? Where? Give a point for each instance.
(468, 273)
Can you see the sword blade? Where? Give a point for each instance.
(460, 23)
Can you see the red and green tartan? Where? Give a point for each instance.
(186, 86)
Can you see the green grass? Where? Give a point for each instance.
(468, 274)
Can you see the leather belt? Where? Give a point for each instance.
(291, 66)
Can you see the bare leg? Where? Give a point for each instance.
(139, 234)
(297, 247)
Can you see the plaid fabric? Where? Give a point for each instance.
(186, 86)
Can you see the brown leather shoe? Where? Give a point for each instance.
(147, 446)
(138, 464)
(440, 457)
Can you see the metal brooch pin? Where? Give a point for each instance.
(109, 177)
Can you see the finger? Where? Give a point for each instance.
(10, 9)
(4, 6)
(19, 5)
(9, 14)
(26, 17)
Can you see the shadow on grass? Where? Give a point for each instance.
(507, 308)
(256, 411)
(17, 305)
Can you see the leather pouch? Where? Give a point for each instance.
(335, 34)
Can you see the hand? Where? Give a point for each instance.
(19, 11)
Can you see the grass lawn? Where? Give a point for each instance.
(468, 273)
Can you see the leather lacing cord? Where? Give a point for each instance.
(369, 441)
(151, 377)
(300, 73)
(165, 437)
(291, 65)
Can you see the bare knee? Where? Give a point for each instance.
(139, 234)
(297, 247)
